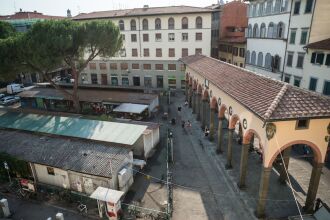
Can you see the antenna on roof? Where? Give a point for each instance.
(15, 5)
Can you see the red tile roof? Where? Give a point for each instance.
(28, 15)
(323, 44)
(141, 12)
(268, 98)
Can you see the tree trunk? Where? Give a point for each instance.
(75, 97)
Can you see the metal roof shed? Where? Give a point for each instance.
(107, 195)
(112, 132)
(131, 108)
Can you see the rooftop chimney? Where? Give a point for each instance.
(20, 10)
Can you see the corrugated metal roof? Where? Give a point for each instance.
(131, 108)
(111, 132)
(76, 155)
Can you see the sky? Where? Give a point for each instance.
(59, 7)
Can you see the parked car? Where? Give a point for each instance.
(14, 88)
(8, 100)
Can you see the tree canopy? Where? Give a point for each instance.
(54, 44)
(6, 30)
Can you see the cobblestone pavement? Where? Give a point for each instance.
(204, 189)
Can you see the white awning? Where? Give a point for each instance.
(107, 195)
(131, 108)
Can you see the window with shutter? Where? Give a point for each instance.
(313, 57)
(320, 58)
(327, 61)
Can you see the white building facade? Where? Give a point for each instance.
(154, 40)
(267, 36)
(299, 31)
(277, 35)
(316, 75)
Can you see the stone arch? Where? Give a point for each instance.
(194, 84)
(248, 136)
(213, 103)
(190, 81)
(187, 76)
(206, 95)
(222, 110)
(233, 120)
(199, 89)
(316, 151)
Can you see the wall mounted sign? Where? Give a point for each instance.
(230, 110)
(219, 101)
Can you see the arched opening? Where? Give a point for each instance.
(250, 31)
(133, 25)
(260, 59)
(254, 12)
(263, 30)
(305, 158)
(268, 61)
(277, 7)
(234, 132)
(276, 63)
(270, 30)
(171, 23)
(269, 4)
(247, 57)
(261, 9)
(251, 143)
(194, 96)
(158, 24)
(121, 25)
(253, 58)
(199, 22)
(255, 30)
(213, 120)
(184, 23)
(198, 102)
(145, 25)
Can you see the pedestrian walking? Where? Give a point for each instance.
(186, 103)
(189, 127)
(206, 131)
(179, 114)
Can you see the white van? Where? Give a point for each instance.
(14, 88)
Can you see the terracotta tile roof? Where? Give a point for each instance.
(28, 15)
(323, 44)
(268, 98)
(141, 11)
